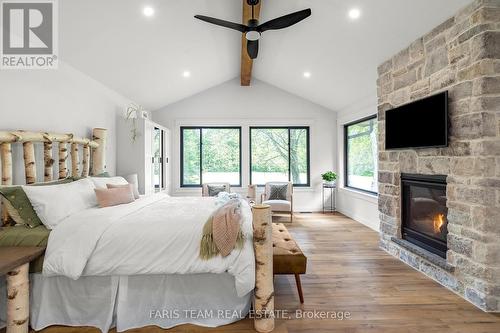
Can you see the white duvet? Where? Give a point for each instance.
(157, 234)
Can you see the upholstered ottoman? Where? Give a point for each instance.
(287, 256)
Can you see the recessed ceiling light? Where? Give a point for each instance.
(186, 74)
(354, 13)
(307, 75)
(148, 11)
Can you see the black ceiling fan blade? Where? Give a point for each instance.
(284, 21)
(253, 48)
(222, 23)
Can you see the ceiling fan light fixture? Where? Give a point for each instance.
(254, 30)
(252, 35)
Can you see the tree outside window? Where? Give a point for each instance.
(210, 155)
(361, 155)
(279, 154)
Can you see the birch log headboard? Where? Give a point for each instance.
(93, 162)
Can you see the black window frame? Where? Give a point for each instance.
(201, 128)
(346, 161)
(308, 137)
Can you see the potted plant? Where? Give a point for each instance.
(329, 178)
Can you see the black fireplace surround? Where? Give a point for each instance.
(424, 212)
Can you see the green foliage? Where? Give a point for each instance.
(329, 176)
(361, 148)
(220, 152)
(191, 160)
(367, 173)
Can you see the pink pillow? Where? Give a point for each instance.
(113, 196)
(131, 186)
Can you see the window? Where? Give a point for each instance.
(210, 155)
(360, 140)
(279, 154)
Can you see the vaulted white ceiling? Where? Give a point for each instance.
(144, 58)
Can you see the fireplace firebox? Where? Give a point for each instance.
(424, 212)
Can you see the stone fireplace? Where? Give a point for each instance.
(452, 231)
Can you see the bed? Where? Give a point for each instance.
(136, 264)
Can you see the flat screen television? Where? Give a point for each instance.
(420, 124)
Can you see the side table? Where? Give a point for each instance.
(332, 207)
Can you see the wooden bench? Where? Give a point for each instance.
(287, 256)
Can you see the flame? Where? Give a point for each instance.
(438, 222)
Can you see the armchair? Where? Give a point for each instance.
(279, 195)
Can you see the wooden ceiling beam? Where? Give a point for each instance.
(246, 62)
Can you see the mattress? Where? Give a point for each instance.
(23, 236)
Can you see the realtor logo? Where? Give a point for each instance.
(29, 34)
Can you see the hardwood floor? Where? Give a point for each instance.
(348, 272)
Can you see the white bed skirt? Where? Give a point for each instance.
(133, 301)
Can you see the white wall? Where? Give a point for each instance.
(131, 155)
(258, 105)
(358, 205)
(134, 157)
(63, 101)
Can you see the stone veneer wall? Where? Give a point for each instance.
(462, 55)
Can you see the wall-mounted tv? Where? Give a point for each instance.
(420, 124)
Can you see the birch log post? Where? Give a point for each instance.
(63, 156)
(6, 157)
(99, 135)
(264, 288)
(29, 162)
(6, 154)
(75, 162)
(86, 161)
(18, 300)
(48, 161)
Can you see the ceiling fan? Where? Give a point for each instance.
(253, 30)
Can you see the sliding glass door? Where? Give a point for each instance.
(158, 159)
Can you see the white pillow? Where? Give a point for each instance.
(100, 182)
(54, 203)
(132, 179)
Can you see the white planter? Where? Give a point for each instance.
(330, 184)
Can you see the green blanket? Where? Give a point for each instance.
(22, 236)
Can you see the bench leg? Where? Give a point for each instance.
(299, 288)
(18, 300)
